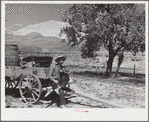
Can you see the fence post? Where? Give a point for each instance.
(134, 70)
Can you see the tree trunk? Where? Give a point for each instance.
(109, 64)
(120, 60)
(110, 60)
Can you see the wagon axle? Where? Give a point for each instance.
(28, 88)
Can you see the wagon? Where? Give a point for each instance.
(29, 74)
(28, 71)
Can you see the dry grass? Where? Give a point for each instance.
(124, 90)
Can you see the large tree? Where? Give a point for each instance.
(116, 27)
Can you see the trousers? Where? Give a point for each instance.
(60, 90)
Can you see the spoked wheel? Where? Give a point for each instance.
(30, 88)
(11, 83)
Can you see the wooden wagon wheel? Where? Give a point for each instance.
(11, 83)
(30, 88)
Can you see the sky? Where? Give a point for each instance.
(18, 16)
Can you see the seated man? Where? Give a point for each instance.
(59, 77)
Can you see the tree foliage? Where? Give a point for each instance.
(116, 27)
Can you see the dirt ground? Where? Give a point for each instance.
(125, 90)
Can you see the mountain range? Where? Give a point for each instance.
(49, 28)
(42, 37)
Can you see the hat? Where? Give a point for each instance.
(60, 58)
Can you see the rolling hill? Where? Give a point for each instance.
(36, 42)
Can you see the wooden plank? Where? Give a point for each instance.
(12, 71)
(99, 100)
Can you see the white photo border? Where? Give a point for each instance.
(40, 114)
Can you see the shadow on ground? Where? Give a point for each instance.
(137, 75)
(52, 99)
(12, 92)
(89, 74)
(103, 75)
(122, 76)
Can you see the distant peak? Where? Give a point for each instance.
(34, 33)
(48, 28)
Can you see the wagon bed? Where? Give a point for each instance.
(12, 71)
(32, 71)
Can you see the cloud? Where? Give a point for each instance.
(15, 25)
